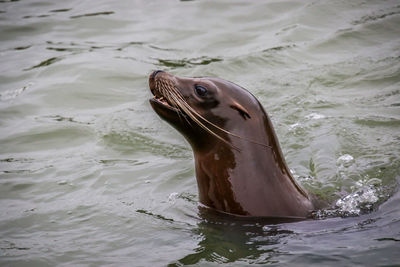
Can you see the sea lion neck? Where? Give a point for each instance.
(251, 181)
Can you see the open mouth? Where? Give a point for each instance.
(160, 99)
(163, 101)
(163, 93)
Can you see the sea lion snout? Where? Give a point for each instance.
(153, 75)
(152, 78)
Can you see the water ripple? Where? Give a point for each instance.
(187, 62)
(93, 14)
(90, 176)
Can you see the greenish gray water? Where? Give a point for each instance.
(89, 175)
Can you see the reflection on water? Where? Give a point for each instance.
(224, 239)
(89, 175)
(230, 242)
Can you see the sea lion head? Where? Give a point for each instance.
(205, 109)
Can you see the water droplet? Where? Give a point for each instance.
(172, 197)
(345, 160)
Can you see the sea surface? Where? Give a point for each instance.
(91, 176)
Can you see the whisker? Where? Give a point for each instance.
(219, 128)
(174, 102)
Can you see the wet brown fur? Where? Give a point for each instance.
(240, 168)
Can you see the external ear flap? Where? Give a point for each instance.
(242, 111)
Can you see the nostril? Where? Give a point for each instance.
(155, 73)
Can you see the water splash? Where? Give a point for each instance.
(172, 197)
(345, 160)
(315, 116)
(361, 200)
(364, 197)
(12, 94)
(294, 126)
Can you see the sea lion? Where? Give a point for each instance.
(240, 168)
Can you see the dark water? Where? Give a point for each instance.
(89, 175)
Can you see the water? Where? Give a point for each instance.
(89, 175)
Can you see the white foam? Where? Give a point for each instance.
(12, 94)
(294, 126)
(345, 160)
(352, 203)
(173, 196)
(315, 116)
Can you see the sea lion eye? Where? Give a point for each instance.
(200, 90)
